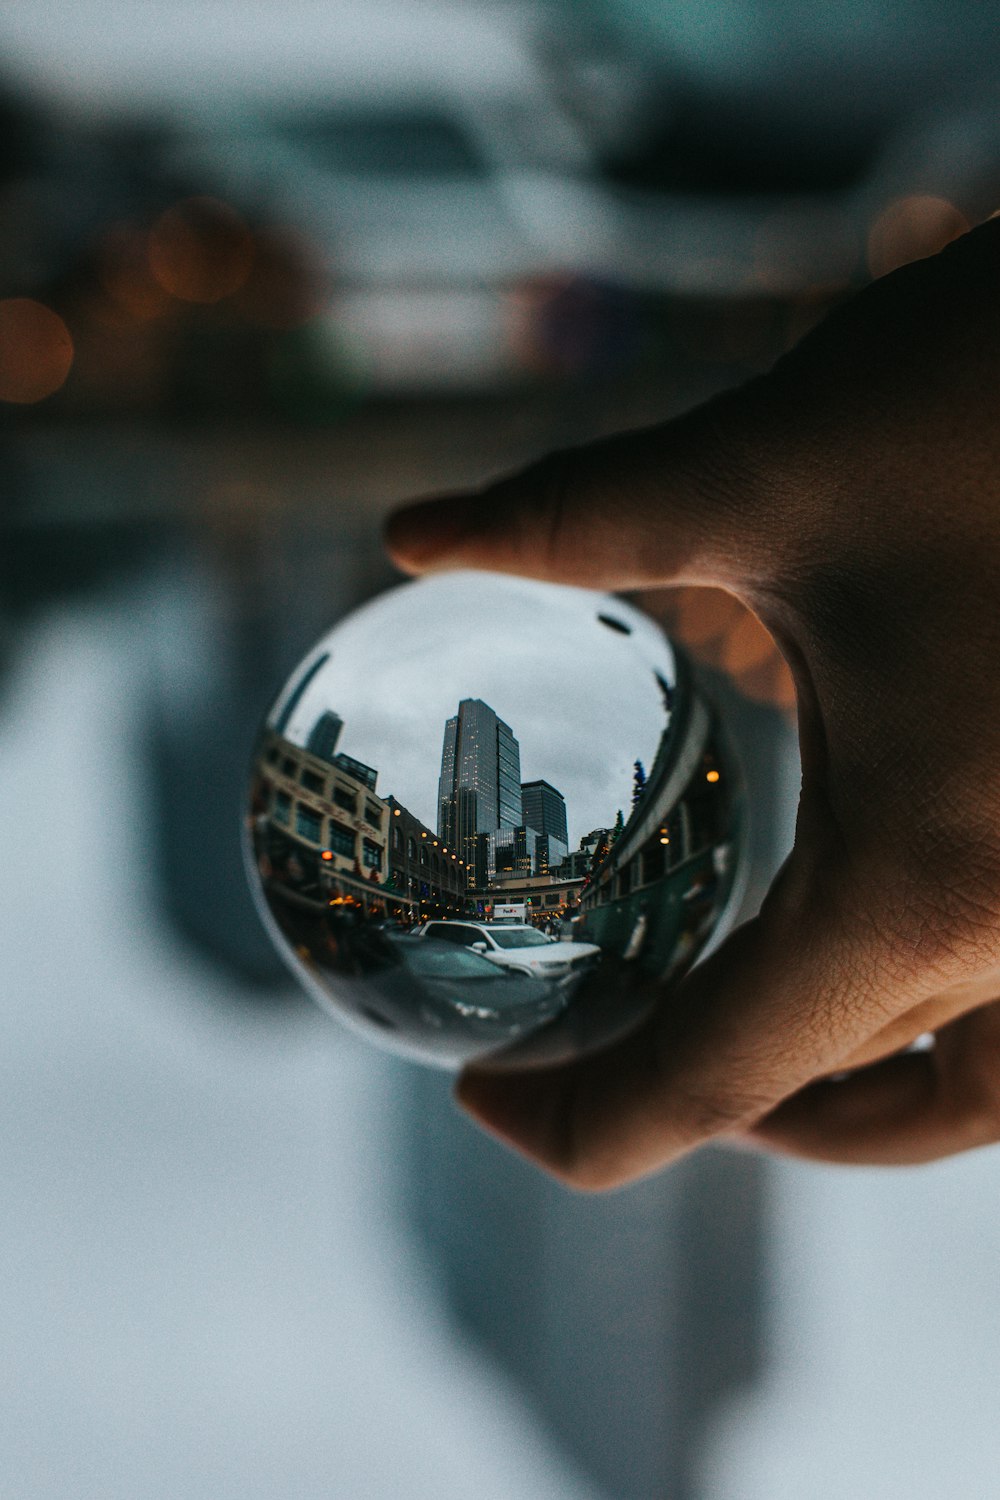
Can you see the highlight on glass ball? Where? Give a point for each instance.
(490, 819)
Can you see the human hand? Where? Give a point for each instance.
(851, 498)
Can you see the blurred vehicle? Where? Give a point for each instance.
(449, 198)
(444, 188)
(470, 982)
(516, 946)
(467, 1001)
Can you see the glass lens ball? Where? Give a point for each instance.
(491, 820)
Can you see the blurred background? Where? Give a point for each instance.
(264, 271)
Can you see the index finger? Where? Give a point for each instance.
(687, 501)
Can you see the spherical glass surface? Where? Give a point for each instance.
(491, 820)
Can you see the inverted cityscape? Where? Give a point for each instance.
(496, 847)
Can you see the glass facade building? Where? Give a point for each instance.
(545, 809)
(479, 791)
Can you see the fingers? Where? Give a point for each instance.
(874, 416)
(910, 1109)
(685, 501)
(776, 1006)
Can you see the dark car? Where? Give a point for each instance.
(447, 1004)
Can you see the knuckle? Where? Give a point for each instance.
(952, 899)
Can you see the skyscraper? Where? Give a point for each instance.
(479, 790)
(544, 809)
(545, 813)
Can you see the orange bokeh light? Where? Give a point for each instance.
(36, 351)
(200, 250)
(911, 229)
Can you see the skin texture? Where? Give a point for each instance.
(851, 498)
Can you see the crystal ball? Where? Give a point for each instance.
(491, 820)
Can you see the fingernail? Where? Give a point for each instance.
(426, 532)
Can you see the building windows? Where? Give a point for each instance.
(411, 847)
(308, 824)
(371, 855)
(341, 840)
(311, 781)
(289, 767)
(373, 814)
(282, 807)
(345, 799)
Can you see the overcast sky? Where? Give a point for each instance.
(580, 698)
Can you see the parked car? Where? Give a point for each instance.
(447, 1004)
(517, 946)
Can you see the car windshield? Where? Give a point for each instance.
(518, 937)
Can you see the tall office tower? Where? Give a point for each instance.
(545, 812)
(323, 736)
(479, 790)
(544, 809)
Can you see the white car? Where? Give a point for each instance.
(517, 946)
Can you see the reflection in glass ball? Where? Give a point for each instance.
(491, 818)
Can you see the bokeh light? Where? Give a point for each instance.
(910, 229)
(200, 250)
(36, 351)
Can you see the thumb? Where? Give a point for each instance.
(686, 501)
(779, 1004)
